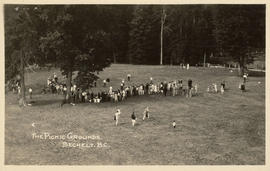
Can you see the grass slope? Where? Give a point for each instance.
(212, 129)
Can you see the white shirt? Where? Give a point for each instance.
(117, 114)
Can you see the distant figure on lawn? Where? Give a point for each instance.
(196, 89)
(245, 77)
(133, 118)
(30, 92)
(19, 90)
(242, 87)
(55, 78)
(223, 84)
(122, 86)
(215, 87)
(174, 124)
(221, 89)
(116, 116)
(128, 77)
(146, 113)
(104, 83)
(165, 88)
(187, 66)
(189, 94)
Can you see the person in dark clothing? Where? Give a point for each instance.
(189, 83)
(181, 87)
(189, 87)
(103, 98)
(128, 76)
(76, 92)
(134, 91)
(147, 88)
(223, 84)
(92, 97)
(133, 118)
(165, 89)
(243, 87)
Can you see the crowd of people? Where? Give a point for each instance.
(172, 88)
(124, 91)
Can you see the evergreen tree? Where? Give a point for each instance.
(22, 29)
(239, 29)
(144, 36)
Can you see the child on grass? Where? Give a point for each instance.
(146, 113)
(133, 118)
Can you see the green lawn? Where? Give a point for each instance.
(212, 129)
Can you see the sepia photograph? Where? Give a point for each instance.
(134, 84)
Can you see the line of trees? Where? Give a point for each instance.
(87, 38)
(190, 32)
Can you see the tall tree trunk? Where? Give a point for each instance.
(68, 82)
(241, 66)
(163, 17)
(204, 59)
(241, 70)
(114, 58)
(22, 98)
(161, 43)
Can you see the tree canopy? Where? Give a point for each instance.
(87, 38)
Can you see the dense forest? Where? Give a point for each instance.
(87, 38)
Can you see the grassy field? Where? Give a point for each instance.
(212, 129)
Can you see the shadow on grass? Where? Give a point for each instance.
(46, 102)
(133, 99)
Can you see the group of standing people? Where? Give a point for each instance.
(172, 88)
(133, 116)
(213, 88)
